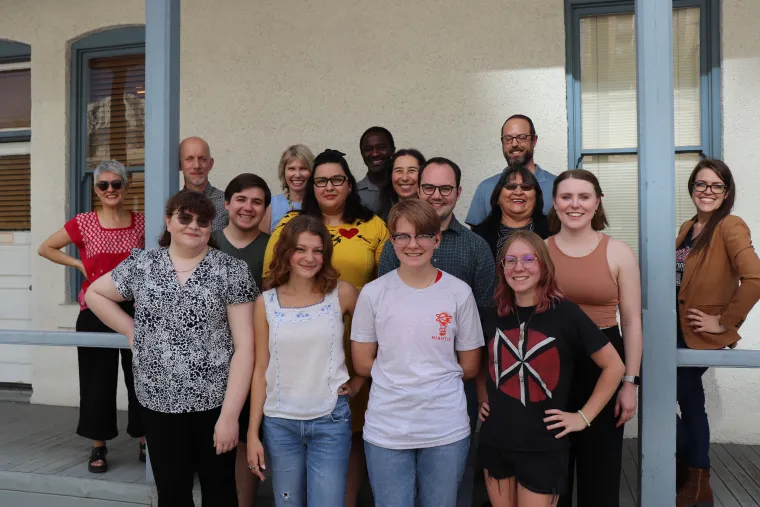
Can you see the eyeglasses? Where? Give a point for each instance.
(520, 137)
(115, 184)
(444, 190)
(337, 181)
(187, 219)
(525, 187)
(527, 261)
(423, 240)
(715, 188)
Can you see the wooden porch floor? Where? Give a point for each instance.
(44, 463)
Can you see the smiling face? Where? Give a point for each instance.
(307, 259)
(707, 200)
(246, 208)
(517, 204)
(331, 198)
(111, 198)
(376, 150)
(411, 251)
(189, 236)
(296, 174)
(575, 203)
(440, 175)
(404, 176)
(521, 268)
(195, 161)
(518, 152)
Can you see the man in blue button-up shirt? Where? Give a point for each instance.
(518, 140)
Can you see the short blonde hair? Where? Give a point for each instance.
(298, 151)
(419, 213)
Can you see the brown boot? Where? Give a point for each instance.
(696, 491)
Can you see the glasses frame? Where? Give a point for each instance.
(521, 260)
(521, 138)
(522, 186)
(402, 242)
(325, 180)
(203, 223)
(711, 187)
(437, 187)
(110, 184)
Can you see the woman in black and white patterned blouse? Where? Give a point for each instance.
(192, 338)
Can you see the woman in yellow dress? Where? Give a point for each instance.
(358, 236)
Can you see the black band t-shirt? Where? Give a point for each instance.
(530, 370)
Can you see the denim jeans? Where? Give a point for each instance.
(692, 428)
(431, 475)
(309, 459)
(466, 487)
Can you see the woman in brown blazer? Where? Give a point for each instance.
(717, 284)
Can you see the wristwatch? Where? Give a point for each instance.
(633, 379)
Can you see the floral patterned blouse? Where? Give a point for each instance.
(182, 341)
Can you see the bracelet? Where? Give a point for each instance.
(588, 424)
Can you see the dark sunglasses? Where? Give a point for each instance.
(525, 187)
(187, 219)
(115, 184)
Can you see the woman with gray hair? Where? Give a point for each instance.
(104, 238)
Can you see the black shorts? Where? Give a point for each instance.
(543, 472)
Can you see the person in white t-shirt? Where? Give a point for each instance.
(416, 331)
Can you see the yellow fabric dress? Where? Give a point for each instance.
(356, 252)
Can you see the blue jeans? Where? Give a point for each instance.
(309, 459)
(430, 475)
(466, 487)
(692, 427)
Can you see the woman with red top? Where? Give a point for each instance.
(104, 238)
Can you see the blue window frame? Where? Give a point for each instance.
(710, 111)
(115, 42)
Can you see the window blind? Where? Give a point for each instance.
(135, 198)
(15, 99)
(116, 110)
(15, 193)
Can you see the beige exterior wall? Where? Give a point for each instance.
(442, 77)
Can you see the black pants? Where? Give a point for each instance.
(98, 379)
(181, 445)
(596, 452)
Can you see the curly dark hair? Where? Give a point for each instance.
(279, 269)
(188, 201)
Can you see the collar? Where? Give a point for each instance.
(454, 226)
(210, 189)
(365, 184)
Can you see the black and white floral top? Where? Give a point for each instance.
(182, 342)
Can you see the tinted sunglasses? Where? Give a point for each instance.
(187, 219)
(525, 187)
(115, 184)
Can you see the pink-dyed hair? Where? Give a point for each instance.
(548, 289)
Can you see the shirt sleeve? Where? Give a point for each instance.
(469, 331)
(72, 228)
(476, 214)
(590, 337)
(125, 275)
(485, 274)
(388, 260)
(240, 285)
(363, 321)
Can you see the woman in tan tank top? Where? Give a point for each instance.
(600, 274)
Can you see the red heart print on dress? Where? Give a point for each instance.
(348, 234)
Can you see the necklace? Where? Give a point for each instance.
(523, 325)
(287, 196)
(191, 267)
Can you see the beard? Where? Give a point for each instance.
(517, 158)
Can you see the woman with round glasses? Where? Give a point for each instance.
(103, 238)
(293, 172)
(358, 236)
(517, 204)
(535, 340)
(417, 332)
(601, 275)
(404, 168)
(717, 284)
(192, 337)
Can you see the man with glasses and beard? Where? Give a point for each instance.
(518, 140)
(461, 253)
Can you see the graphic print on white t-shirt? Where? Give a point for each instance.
(417, 397)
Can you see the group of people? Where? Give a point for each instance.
(348, 329)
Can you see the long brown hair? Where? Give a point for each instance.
(188, 201)
(724, 173)
(326, 278)
(548, 288)
(599, 221)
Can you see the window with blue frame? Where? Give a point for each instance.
(108, 115)
(602, 114)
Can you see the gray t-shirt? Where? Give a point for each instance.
(369, 193)
(252, 253)
(417, 396)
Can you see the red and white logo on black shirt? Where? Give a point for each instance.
(524, 367)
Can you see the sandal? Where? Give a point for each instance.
(142, 456)
(98, 454)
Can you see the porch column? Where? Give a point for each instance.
(161, 111)
(657, 427)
